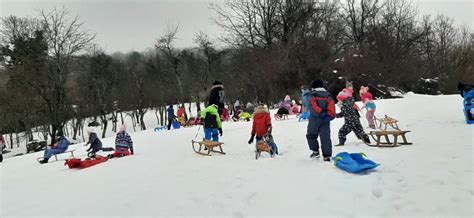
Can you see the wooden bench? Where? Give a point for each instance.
(377, 135)
(56, 155)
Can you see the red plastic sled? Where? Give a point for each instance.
(81, 164)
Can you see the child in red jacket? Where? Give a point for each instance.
(262, 127)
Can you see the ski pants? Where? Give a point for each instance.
(351, 125)
(170, 121)
(319, 127)
(52, 151)
(211, 133)
(370, 118)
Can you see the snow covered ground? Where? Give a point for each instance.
(433, 177)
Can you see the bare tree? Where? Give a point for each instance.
(165, 44)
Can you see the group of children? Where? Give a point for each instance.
(123, 145)
(322, 110)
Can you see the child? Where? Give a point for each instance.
(59, 147)
(322, 112)
(262, 126)
(212, 123)
(123, 143)
(94, 141)
(182, 116)
(351, 118)
(368, 100)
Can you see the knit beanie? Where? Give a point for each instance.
(317, 83)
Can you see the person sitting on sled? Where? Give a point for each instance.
(123, 143)
(351, 118)
(212, 123)
(94, 142)
(262, 126)
(59, 147)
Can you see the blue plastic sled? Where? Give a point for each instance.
(176, 125)
(353, 163)
(157, 129)
(469, 106)
(304, 116)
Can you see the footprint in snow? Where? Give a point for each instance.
(377, 193)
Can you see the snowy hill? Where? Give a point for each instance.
(432, 177)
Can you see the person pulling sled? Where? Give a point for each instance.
(262, 129)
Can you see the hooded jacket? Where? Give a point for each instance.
(211, 117)
(261, 122)
(217, 96)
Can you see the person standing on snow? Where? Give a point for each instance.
(322, 111)
(351, 118)
(171, 116)
(217, 96)
(212, 123)
(262, 126)
(368, 99)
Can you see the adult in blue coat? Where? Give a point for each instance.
(59, 147)
(171, 116)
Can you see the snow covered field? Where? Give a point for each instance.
(432, 177)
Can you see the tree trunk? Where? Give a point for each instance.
(142, 122)
(121, 117)
(103, 119)
(156, 115)
(114, 121)
(11, 140)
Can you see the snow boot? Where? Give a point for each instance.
(366, 139)
(328, 159)
(43, 161)
(341, 142)
(314, 155)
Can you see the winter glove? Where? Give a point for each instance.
(327, 119)
(251, 139)
(220, 131)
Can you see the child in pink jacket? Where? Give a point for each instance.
(368, 100)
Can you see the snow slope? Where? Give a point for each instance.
(433, 177)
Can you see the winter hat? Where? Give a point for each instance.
(349, 91)
(317, 83)
(217, 83)
(342, 96)
(287, 98)
(123, 128)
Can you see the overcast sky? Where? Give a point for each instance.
(125, 25)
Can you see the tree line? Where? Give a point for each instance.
(52, 75)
